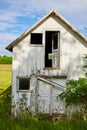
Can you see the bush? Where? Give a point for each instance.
(76, 92)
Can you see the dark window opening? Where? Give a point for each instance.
(36, 38)
(24, 84)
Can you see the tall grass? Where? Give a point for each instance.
(7, 122)
(5, 77)
(5, 91)
(31, 124)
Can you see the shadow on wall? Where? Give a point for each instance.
(27, 60)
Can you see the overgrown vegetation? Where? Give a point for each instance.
(32, 124)
(5, 59)
(7, 122)
(85, 64)
(76, 93)
(5, 91)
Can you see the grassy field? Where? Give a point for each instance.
(5, 77)
(5, 67)
(7, 122)
(5, 90)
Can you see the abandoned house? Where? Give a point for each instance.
(44, 58)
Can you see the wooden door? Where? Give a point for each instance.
(55, 47)
(57, 104)
(48, 101)
(43, 97)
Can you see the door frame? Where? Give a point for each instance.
(44, 43)
(55, 51)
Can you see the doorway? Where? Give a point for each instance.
(51, 48)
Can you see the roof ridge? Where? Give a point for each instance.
(52, 12)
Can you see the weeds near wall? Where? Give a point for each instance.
(24, 111)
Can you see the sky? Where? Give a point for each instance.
(16, 16)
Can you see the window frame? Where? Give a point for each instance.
(18, 81)
(36, 44)
(55, 30)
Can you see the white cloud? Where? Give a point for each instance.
(6, 38)
(16, 8)
(39, 5)
(4, 26)
(73, 10)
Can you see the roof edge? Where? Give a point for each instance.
(10, 46)
(52, 12)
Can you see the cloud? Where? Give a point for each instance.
(4, 26)
(74, 10)
(5, 38)
(32, 8)
(15, 14)
(46, 5)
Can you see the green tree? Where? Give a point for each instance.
(5, 59)
(85, 64)
(76, 92)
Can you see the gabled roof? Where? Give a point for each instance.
(51, 13)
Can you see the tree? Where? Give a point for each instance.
(5, 59)
(85, 64)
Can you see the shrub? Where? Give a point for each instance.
(76, 91)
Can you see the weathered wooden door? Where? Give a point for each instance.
(57, 103)
(48, 101)
(43, 97)
(55, 46)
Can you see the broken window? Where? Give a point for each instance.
(24, 83)
(36, 38)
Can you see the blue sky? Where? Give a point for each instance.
(16, 16)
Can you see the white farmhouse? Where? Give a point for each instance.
(44, 58)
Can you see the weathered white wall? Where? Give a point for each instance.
(28, 59)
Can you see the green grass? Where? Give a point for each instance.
(7, 122)
(31, 124)
(5, 77)
(5, 90)
(5, 80)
